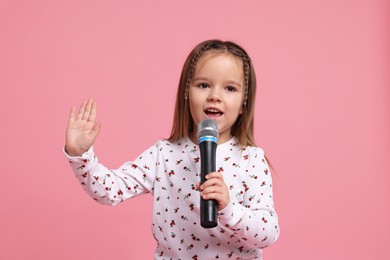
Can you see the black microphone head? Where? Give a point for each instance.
(207, 127)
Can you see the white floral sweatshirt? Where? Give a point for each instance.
(169, 172)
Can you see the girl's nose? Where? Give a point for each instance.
(214, 95)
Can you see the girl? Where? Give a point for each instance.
(217, 82)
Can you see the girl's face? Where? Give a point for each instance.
(217, 91)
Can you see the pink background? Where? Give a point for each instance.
(322, 117)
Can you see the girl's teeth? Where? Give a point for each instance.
(213, 112)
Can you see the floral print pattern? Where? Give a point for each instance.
(169, 172)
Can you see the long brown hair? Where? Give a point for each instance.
(242, 129)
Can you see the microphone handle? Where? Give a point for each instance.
(208, 208)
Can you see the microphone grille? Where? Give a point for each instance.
(207, 127)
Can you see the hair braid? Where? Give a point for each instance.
(194, 61)
(246, 62)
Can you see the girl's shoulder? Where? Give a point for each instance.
(254, 153)
(253, 149)
(160, 149)
(232, 148)
(166, 145)
(234, 145)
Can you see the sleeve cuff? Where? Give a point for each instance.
(231, 214)
(84, 156)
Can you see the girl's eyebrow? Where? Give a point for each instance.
(201, 79)
(234, 83)
(227, 82)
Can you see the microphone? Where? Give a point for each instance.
(207, 139)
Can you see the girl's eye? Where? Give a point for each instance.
(231, 89)
(203, 85)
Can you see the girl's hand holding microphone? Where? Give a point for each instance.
(82, 129)
(215, 188)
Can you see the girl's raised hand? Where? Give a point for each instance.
(82, 129)
(215, 188)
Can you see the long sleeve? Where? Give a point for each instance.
(252, 218)
(110, 187)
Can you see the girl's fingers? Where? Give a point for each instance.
(71, 114)
(81, 111)
(212, 182)
(92, 115)
(213, 196)
(87, 110)
(212, 175)
(212, 189)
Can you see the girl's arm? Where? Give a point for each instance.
(110, 187)
(105, 186)
(255, 220)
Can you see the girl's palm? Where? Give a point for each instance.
(82, 130)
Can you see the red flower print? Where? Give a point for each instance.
(81, 167)
(194, 237)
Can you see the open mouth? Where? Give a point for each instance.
(213, 112)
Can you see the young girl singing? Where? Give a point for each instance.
(217, 82)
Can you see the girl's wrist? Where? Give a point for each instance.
(72, 153)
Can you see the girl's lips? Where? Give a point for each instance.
(213, 112)
(213, 116)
